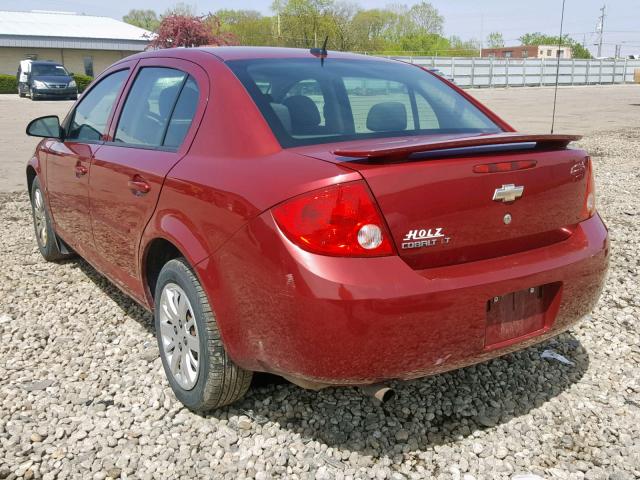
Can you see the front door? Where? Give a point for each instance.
(69, 161)
(152, 133)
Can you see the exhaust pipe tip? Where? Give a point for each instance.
(380, 393)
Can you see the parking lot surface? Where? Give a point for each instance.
(83, 393)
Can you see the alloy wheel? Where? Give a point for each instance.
(179, 334)
(40, 217)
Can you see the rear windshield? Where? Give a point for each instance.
(306, 103)
(48, 69)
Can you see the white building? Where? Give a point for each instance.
(84, 44)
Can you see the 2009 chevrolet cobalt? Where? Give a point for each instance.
(332, 218)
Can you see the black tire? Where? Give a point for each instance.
(219, 380)
(48, 242)
(21, 93)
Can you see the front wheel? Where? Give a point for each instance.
(45, 236)
(198, 369)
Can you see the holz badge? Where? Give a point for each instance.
(424, 238)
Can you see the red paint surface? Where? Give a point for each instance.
(332, 319)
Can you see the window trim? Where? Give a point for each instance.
(173, 109)
(138, 146)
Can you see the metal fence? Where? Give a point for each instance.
(493, 72)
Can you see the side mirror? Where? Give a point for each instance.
(48, 127)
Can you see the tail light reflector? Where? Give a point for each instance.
(340, 220)
(589, 208)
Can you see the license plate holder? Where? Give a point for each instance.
(518, 314)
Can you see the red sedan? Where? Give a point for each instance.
(332, 218)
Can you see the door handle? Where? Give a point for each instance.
(81, 170)
(138, 185)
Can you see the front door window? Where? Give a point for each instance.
(89, 121)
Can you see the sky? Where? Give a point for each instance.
(464, 18)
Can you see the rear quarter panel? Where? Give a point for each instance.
(234, 170)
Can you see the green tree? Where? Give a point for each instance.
(305, 22)
(426, 18)
(495, 40)
(462, 48)
(147, 19)
(250, 27)
(417, 29)
(369, 27)
(537, 38)
(341, 15)
(181, 9)
(425, 44)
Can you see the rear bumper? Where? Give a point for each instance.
(356, 321)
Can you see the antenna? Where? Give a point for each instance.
(555, 93)
(321, 52)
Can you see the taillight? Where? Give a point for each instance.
(589, 208)
(340, 220)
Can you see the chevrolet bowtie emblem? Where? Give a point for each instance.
(508, 193)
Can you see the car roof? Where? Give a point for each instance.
(45, 62)
(247, 53)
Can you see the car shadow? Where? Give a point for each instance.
(427, 412)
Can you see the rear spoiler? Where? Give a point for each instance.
(405, 147)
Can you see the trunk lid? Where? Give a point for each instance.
(450, 199)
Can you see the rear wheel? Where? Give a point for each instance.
(200, 373)
(48, 243)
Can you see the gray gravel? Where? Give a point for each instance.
(83, 394)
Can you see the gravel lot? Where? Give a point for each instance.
(83, 394)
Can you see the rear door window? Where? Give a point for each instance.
(159, 108)
(89, 120)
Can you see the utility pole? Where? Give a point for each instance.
(600, 29)
(481, 32)
(618, 48)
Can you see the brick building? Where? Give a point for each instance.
(528, 51)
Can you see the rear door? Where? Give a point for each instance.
(69, 161)
(152, 130)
